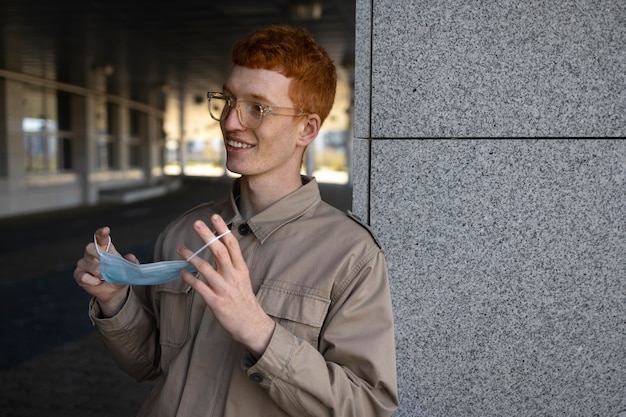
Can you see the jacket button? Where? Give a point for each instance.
(244, 229)
(256, 378)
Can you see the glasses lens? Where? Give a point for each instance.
(251, 114)
(218, 108)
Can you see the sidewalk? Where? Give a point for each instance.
(52, 362)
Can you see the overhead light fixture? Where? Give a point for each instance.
(306, 10)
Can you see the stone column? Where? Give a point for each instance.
(489, 159)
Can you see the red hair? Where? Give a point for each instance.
(295, 54)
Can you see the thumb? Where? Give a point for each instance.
(103, 239)
(103, 236)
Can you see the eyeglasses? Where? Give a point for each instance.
(250, 113)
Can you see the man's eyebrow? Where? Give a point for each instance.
(261, 98)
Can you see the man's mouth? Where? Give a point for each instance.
(240, 145)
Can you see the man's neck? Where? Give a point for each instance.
(257, 194)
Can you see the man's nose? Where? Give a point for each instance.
(232, 120)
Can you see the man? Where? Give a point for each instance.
(289, 312)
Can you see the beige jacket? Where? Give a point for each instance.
(319, 273)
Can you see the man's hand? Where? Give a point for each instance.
(110, 297)
(227, 290)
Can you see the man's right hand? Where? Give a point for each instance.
(110, 297)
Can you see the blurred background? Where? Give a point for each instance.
(99, 96)
(104, 121)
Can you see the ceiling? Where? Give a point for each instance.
(177, 42)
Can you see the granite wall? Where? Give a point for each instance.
(489, 159)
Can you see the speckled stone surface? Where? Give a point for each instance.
(363, 68)
(507, 261)
(531, 68)
(507, 254)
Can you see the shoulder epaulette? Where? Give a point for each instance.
(358, 220)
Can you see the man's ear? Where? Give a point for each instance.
(309, 129)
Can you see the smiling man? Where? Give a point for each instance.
(288, 312)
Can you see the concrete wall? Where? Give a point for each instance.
(489, 159)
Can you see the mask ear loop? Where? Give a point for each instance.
(98, 247)
(206, 245)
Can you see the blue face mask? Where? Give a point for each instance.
(117, 270)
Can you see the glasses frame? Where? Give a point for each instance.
(265, 109)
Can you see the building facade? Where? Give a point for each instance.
(71, 126)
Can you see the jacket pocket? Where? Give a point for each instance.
(175, 308)
(297, 309)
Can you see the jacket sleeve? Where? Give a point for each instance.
(354, 371)
(131, 337)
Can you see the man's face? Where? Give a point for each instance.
(272, 149)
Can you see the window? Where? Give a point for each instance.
(46, 125)
(40, 144)
(41, 130)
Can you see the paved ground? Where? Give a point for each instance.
(52, 362)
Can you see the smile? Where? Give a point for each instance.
(236, 144)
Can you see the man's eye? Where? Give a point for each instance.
(256, 107)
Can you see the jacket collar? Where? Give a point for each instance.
(282, 212)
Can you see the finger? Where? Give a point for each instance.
(91, 252)
(84, 278)
(219, 223)
(203, 230)
(90, 264)
(200, 264)
(102, 236)
(199, 286)
(212, 241)
(214, 279)
(131, 257)
(231, 242)
(187, 254)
